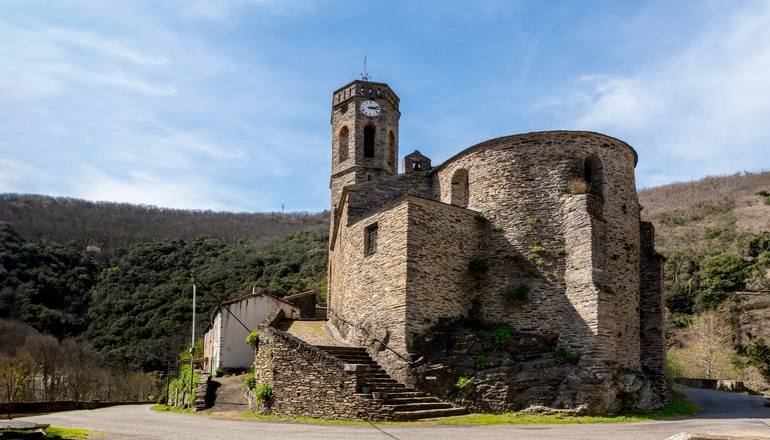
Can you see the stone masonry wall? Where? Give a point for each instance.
(586, 288)
(653, 344)
(309, 382)
(441, 243)
(521, 183)
(369, 196)
(370, 291)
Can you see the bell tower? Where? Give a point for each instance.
(364, 135)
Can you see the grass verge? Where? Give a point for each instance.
(678, 407)
(165, 408)
(52, 432)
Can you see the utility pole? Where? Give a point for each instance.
(192, 346)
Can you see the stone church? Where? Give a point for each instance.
(520, 265)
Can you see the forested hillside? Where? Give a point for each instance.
(128, 301)
(714, 236)
(108, 225)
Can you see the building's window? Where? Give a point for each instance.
(370, 239)
(344, 135)
(392, 151)
(594, 175)
(460, 188)
(369, 141)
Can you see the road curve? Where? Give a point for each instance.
(723, 413)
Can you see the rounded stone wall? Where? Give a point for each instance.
(575, 255)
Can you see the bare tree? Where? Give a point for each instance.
(706, 351)
(49, 357)
(16, 374)
(83, 367)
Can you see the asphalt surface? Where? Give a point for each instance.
(723, 413)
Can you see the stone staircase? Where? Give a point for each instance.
(405, 403)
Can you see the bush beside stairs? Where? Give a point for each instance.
(404, 403)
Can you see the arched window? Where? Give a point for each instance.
(460, 188)
(594, 175)
(369, 141)
(344, 135)
(392, 151)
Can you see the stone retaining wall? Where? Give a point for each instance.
(712, 384)
(308, 382)
(10, 409)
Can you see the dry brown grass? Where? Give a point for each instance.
(578, 186)
(737, 191)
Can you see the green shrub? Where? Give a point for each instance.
(478, 266)
(759, 357)
(573, 357)
(482, 217)
(518, 293)
(250, 382)
(501, 334)
(537, 249)
(462, 383)
(263, 392)
(253, 339)
(755, 245)
(722, 273)
(481, 362)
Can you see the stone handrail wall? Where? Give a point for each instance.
(9, 409)
(309, 382)
(381, 344)
(712, 384)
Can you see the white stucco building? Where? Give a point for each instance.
(224, 340)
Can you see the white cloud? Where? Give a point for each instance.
(698, 112)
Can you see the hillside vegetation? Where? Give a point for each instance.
(127, 302)
(108, 225)
(714, 235)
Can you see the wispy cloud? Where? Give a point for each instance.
(697, 112)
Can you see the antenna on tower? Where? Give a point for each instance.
(365, 76)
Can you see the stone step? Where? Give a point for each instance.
(383, 385)
(406, 394)
(360, 361)
(429, 413)
(377, 378)
(335, 349)
(404, 400)
(420, 406)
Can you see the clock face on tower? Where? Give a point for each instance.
(370, 108)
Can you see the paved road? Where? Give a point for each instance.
(724, 413)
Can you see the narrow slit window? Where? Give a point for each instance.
(344, 134)
(369, 141)
(370, 239)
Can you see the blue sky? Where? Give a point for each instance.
(224, 104)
